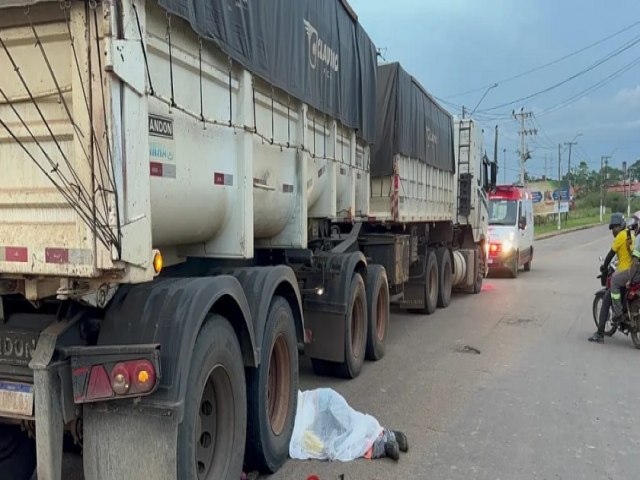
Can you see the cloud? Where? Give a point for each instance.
(632, 124)
(629, 97)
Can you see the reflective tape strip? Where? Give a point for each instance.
(166, 170)
(63, 256)
(14, 254)
(225, 179)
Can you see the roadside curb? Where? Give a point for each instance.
(569, 230)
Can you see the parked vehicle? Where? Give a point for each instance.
(511, 229)
(186, 205)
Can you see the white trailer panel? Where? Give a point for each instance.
(418, 192)
(189, 152)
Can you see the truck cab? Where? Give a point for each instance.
(511, 229)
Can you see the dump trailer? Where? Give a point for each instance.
(162, 169)
(425, 231)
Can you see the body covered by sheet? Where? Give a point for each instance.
(327, 428)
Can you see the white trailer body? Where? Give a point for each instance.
(213, 163)
(160, 186)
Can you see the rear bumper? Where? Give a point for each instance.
(501, 261)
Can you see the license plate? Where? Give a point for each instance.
(16, 398)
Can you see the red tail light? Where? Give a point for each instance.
(99, 384)
(495, 248)
(130, 378)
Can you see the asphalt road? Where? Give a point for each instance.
(538, 402)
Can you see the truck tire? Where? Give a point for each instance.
(378, 310)
(355, 330)
(431, 281)
(17, 453)
(479, 269)
(444, 275)
(211, 437)
(272, 392)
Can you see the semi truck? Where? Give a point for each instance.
(192, 194)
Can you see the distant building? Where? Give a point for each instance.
(624, 188)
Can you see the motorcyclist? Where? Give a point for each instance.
(622, 247)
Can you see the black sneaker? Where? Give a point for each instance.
(392, 450)
(597, 337)
(401, 438)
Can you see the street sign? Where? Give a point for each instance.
(564, 207)
(536, 196)
(564, 194)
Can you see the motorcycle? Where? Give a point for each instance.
(629, 324)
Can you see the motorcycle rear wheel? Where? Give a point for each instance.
(634, 328)
(609, 328)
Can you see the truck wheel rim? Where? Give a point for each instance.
(214, 432)
(357, 326)
(382, 314)
(278, 385)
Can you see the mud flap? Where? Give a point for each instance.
(113, 449)
(325, 315)
(47, 397)
(51, 411)
(326, 340)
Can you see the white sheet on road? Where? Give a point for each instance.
(327, 428)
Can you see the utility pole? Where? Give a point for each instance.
(504, 157)
(604, 160)
(569, 167)
(559, 195)
(627, 193)
(524, 154)
(570, 144)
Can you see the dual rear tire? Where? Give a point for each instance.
(218, 434)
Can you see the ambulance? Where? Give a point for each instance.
(510, 229)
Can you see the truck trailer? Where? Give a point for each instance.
(192, 194)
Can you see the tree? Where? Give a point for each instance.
(580, 177)
(634, 170)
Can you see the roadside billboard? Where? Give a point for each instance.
(545, 198)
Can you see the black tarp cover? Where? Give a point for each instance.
(312, 49)
(409, 122)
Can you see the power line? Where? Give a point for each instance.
(592, 88)
(548, 64)
(594, 65)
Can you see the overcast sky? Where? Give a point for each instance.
(453, 46)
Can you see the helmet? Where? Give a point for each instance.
(635, 220)
(617, 220)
